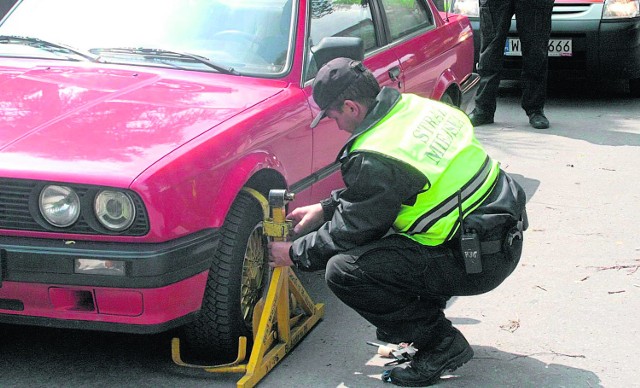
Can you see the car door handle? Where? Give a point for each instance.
(394, 73)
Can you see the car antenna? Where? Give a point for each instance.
(447, 6)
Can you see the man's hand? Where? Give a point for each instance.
(306, 219)
(279, 254)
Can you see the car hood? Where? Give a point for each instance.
(107, 124)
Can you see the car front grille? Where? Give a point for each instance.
(570, 9)
(19, 210)
(14, 205)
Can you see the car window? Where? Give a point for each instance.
(442, 5)
(350, 18)
(406, 16)
(253, 37)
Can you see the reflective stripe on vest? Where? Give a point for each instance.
(429, 218)
(437, 140)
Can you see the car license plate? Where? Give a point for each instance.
(557, 47)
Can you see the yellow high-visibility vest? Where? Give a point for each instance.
(437, 140)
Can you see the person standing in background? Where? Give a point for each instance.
(533, 22)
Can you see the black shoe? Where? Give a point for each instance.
(427, 366)
(389, 338)
(478, 119)
(538, 120)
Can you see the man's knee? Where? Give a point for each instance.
(338, 269)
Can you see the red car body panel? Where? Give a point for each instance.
(109, 114)
(108, 304)
(422, 61)
(185, 142)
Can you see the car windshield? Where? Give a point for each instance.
(247, 37)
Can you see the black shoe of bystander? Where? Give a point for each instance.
(538, 120)
(478, 118)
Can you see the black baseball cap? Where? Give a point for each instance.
(332, 79)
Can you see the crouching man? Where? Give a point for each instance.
(425, 215)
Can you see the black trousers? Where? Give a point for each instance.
(401, 287)
(533, 22)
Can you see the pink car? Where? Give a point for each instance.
(129, 128)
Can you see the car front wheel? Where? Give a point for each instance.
(237, 280)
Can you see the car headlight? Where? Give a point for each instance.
(618, 9)
(114, 210)
(59, 205)
(466, 7)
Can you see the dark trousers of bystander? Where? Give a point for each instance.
(533, 22)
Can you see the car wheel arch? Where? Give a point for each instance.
(259, 171)
(447, 85)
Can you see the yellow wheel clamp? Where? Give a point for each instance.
(278, 331)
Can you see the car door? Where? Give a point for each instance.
(335, 18)
(420, 42)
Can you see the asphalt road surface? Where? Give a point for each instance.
(567, 317)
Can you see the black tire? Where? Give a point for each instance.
(447, 99)
(237, 279)
(634, 87)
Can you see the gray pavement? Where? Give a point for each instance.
(567, 317)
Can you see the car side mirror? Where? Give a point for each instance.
(335, 47)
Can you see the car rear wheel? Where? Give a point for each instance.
(634, 87)
(446, 98)
(237, 280)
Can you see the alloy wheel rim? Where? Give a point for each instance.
(254, 270)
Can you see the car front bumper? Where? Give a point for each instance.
(162, 286)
